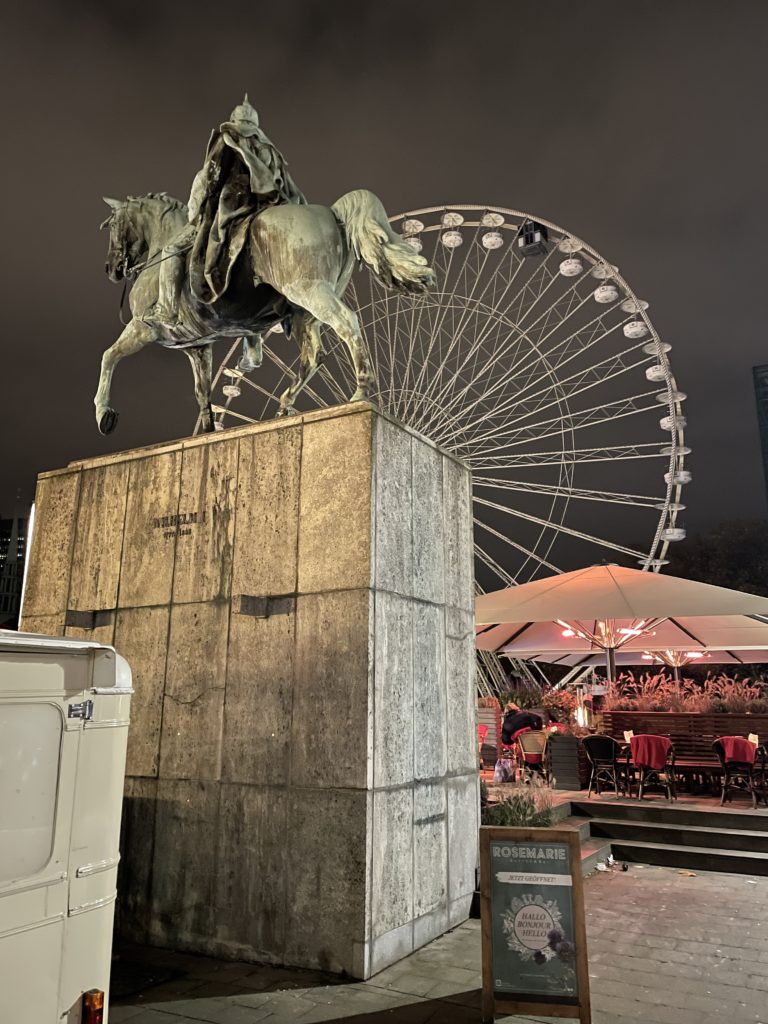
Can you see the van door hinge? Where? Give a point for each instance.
(84, 710)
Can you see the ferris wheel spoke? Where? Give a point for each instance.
(572, 457)
(510, 542)
(510, 370)
(594, 375)
(504, 576)
(585, 494)
(479, 341)
(569, 530)
(580, 385)
(508, 437)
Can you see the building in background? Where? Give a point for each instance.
(760, 375)
(13, 547)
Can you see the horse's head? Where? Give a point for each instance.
(126, 241)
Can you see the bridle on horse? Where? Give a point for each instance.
(129, 270)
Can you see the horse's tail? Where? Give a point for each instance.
(373, 241)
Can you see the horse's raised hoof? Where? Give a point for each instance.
(107, 421)
(245, 367)
(289, 410)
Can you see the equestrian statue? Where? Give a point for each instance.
(245, 254)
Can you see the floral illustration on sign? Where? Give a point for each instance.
(529, 924)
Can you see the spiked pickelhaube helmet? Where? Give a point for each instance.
(243, 119)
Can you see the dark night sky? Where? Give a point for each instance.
(638, 126)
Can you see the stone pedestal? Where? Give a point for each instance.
(296, 601)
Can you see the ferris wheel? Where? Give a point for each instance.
(535, 363)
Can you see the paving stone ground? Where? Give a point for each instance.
(665, 947)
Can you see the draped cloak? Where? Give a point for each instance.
(242, 174)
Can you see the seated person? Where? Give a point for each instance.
(515, 720)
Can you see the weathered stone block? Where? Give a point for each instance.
(392, 889)
(393, 553)
(335, 504)
(204, 548)
(146, 573)
(266, 531)
(259, 699)
(141, 636)
(49, 625)
(50, 557)
(429, 691)
(137, 844)
(460, 718)
(393, 696)
(193, 705)
(183, 864)
(463, 823)
(428, 533)
(459, 567)
(98, 538)
(331, 699)
(250, 892)
(430, 848)
(327, 880)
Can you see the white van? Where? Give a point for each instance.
(64, 708)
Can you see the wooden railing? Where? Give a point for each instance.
(692, 734)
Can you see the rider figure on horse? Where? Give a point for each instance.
(242, 174)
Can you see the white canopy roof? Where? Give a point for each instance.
(635, 658)
(529, 619)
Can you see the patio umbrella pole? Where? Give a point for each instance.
(610, 663)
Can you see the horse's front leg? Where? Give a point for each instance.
(201, 358)
(135, 336)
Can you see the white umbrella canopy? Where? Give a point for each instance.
(610, 608)
(661, 659)
(613, 592)
(712, 632)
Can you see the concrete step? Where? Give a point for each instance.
(740, 840)
(661, 812)
(695, 858)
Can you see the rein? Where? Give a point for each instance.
(137, 269)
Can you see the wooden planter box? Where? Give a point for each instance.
(568, 762)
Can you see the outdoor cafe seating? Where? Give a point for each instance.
(603, 754)
(651, 760)
(743, 766)
(532, 753)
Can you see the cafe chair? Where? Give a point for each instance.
(533, 754)
(603, 754)
(653, 761)
(741, 768)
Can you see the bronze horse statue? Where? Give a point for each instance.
(295, 267)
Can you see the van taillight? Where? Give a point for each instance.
(93, 1007)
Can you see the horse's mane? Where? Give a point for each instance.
(170, 202)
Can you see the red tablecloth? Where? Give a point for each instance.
(736, 748)
(650, 751)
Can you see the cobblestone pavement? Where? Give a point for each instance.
(665, 947)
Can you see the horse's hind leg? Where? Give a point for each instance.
(253, 353)
(323, 303)
(307, 331)
(135, 336)
(201, 358)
